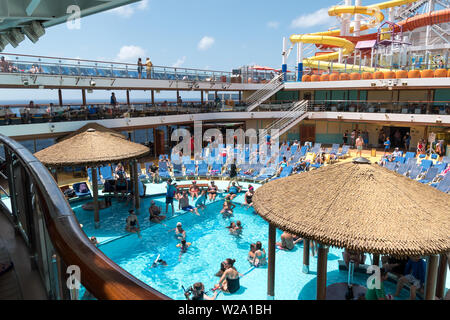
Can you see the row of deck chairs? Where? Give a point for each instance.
(425, 171)
(215, 164)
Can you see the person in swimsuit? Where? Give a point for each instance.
(94, 241)
(233, 190)
(228, 207)
(155, 213)
(194, 190)
(212, 191)
(260, 255)
(133, 223)
(198, 293)
(184, 204)
(287, 241)
(234, 228)
(171, 191)
(251, 253)
(229, 282)
(120, 170)
(121, 186)
(248, 201)
(201, 201)
(183, 247)
(283, 164)
(180, 234)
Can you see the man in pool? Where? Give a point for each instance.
(155, 213)
(184, 204)
(183, 247)
(287, 241)
(171, 190)
(194, 190)
(212, 191)
(180, 233)
(133, 223)
(233, 190)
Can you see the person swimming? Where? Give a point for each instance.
(180, 233)
(227, 209)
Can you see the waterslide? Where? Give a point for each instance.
(331, 38)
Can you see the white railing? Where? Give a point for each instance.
(407, 12)
(261, 95)
(292, 116)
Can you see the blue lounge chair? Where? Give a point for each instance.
(441, 166)
(106, 172)
(89, 173)
(163, 170)
(402, 169)
(81, 191)
(216, 170)
(202, 170)
(286, 172)
(344, 152)
(265, 174)
(446, 159)
(190, 170)
(426, 164)
(431, 174)
(391, 166)
(409, 155)
(443, 185)
(177, 170)
(415, 171)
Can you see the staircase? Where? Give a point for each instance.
(405, 12)
(261, 95)
(293, 116)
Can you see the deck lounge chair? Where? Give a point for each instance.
(443, 185)
(265, 174)
(216, 170)
(190, 170)
(426, 164)
(202, 169)
(80, 190)
(402, 169)
(177, 170)
(431, 174)
(286, 172)
(415, 171)
(391, 166)
(344, 152)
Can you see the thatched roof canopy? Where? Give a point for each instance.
(91, 147)
(362, 207)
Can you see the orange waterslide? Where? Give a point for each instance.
(410, 24)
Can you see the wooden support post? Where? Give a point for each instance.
(442, 276)
(240, 96)
(60, 97)
(376, 259)
(95, 196)
(306, 255)
(430, 281)
(322, 272)
(128, 97)
(153, 97)
(201, 95)
(83, 96)
(271, 263)
(136, 170)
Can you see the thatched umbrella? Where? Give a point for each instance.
(362, 207)
(93, 148)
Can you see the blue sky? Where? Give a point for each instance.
(204, 34)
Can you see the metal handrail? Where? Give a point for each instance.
(100, 275)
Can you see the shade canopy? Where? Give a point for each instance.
(91, 147)
(362, 207)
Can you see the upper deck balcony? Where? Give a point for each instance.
(28, 71)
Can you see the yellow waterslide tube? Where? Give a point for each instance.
(331, 37)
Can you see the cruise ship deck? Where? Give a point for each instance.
(305, 181)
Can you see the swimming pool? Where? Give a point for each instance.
(211, 244)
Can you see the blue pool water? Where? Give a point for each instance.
(211, 244)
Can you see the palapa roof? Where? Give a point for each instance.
(362, 207)
(90, 125)
(91, 147)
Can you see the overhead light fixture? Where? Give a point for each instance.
(34, 31)
(25, 82)
(439, 120)
(15, 36)
(373, 84)
(92, 83)
(404, 83)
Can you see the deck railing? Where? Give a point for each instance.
(41, 214)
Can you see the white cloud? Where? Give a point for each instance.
(318, 18)
(179, 62)
(273, 24)
(130, 54)
(205, 43)
(129, 10)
